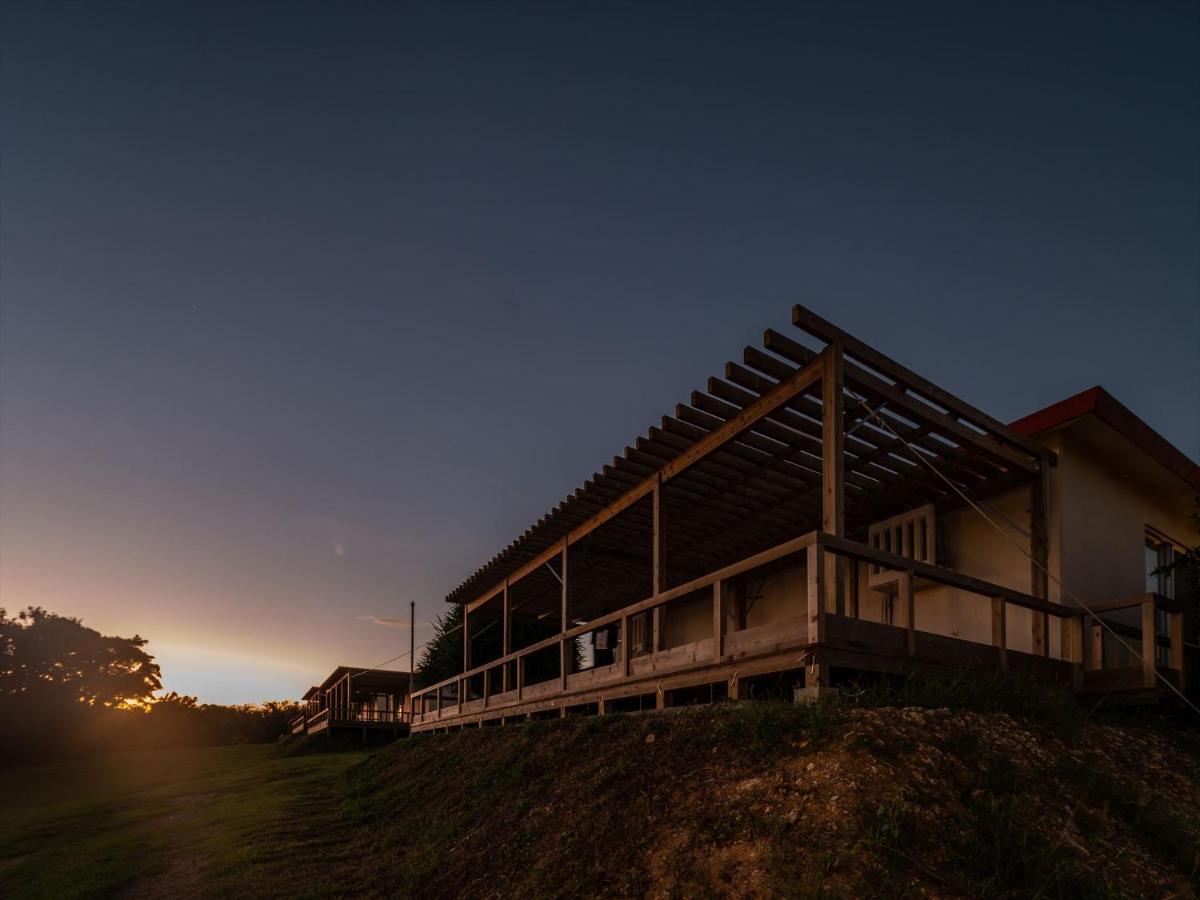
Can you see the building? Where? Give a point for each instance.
(358, 700)
(823, 511)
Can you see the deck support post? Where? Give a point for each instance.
(906, 605)
(659, 562)
(506, 612)
(833, 434)
(466, 637)
(1039, 581)
(564, 667)
(816, 675)
(1000, 631)
(1149, 642)
(1073, 648)
(626, 653)
(520, 676)
(1177, 651)
(1097, 654)
(718, 620)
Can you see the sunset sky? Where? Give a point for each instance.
(306, 310)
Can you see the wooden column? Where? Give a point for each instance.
(659, 562)
(564, 664)
(506, 612)
(466, 638)
(1149, 643)
(626, 654)
(1097, 645)
(1039, 582)
(520, 676)
(718, 618)
(1073, 648)
(1177, 651)
(817, 674)
(833, 433)
(906, 606)
(1000, 631)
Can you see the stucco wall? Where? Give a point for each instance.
(1102, 494)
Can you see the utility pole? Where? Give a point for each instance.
(412, 651)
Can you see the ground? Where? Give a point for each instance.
(753, 799)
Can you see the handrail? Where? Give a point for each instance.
(787, 548)
(1160, 602)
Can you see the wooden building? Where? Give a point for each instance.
(355, 699)
(822, 511)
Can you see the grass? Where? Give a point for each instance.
(95, 827)
(683, 804)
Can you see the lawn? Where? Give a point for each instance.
(174, 822)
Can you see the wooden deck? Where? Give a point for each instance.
(812, 640)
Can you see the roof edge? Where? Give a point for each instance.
(1100, 403)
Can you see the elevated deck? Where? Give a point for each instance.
(825, 635)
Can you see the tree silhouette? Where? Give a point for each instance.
(47, 658)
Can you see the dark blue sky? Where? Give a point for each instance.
(307, 309)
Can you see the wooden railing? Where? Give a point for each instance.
(451, 697)
(297, 724)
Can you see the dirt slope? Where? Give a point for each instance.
(762, 799)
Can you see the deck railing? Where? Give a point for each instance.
(450, 698)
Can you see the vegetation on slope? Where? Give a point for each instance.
(885, 794)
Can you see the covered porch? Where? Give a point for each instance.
(816, 512)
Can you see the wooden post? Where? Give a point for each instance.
(507, 638)
(626, 653)
(1000, 631)
(817, 673)
(520, 676)
(659, 562)
(1039, 582)
(906, 600)
(1097, 654)
(564, 667)
(487, 687)
(1177, 651)
(718, 620)
(466, 638)
(816, 593)
(1149, 642)
(833, 433)
(1073, 648)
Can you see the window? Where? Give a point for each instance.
(1160, 579)
(1160, 553)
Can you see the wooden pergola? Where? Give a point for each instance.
(795, 449)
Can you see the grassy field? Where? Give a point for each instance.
(1006, 794)
(172, 823)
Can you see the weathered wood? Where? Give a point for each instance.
(1073, 648)
(1149, 643)
(1000, 631)
(906, 608)
(816, 593)
(718, 620)
(1177, 652)
(1039, 555)
(762, 406)
(938, 574)
(815, 325)
(506, 647)
(1097, 654)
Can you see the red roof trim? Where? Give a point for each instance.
(1116, 415)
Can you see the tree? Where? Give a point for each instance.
(442, 656)
(44, 656)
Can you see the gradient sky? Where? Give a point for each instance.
(308, 309)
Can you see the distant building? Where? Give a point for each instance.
(356, 700)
